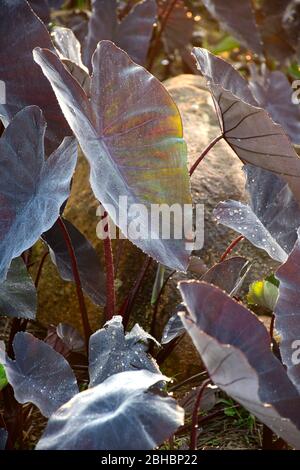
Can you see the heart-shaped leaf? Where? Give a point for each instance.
(235, 348)
(131, 133)
(89, 265)
(273, 92)
(111, 352)
(18, 296)
(25, 84)
(39, 374)
(132, 34)
(176, 24)
(123, 414)
(273, 217)
(239, 19)
(229, 274)
(248, 129)
(3, 438)
(32, 189)
(287, 314)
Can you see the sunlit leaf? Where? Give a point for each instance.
(111, 352)
(248, 129)
(18, 296)
(123, 415)
(271, 220)
(32, 189)
(287, 314)
(131, 133)
(39, 374)
(68, 45)
(132, 34)
(235, 348)
(24, 82)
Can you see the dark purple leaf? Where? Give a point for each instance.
(238, 18)
(229, 275)
(3, 438)
(273, 92)
(32, 189)
(111, 352)
(235, 348)
(127, 122)
(25, 83)
(287, 314)
(123, 414)
(273, 217)
(65, 339)
(132, 34)
(39, 374)
(89, 265)
(18, 296)
(178, 26)
(248, 129)
(174, 328)
(275, 38)
(41, 8)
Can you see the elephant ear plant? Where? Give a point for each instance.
(105, 390)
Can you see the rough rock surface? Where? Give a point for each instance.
(218, 177)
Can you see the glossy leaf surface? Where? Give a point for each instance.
(112, 352)
(123, 415)
(32, 189)
(18, 296)
(235, 347)
(129, 121)
(39, 374)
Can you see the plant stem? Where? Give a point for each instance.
(84, 316)
(110, 275)
(193, 443)
(165, 16)
(40, 269)
(204, 153)
(231, 247)
(155, 308)
(129, 302)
